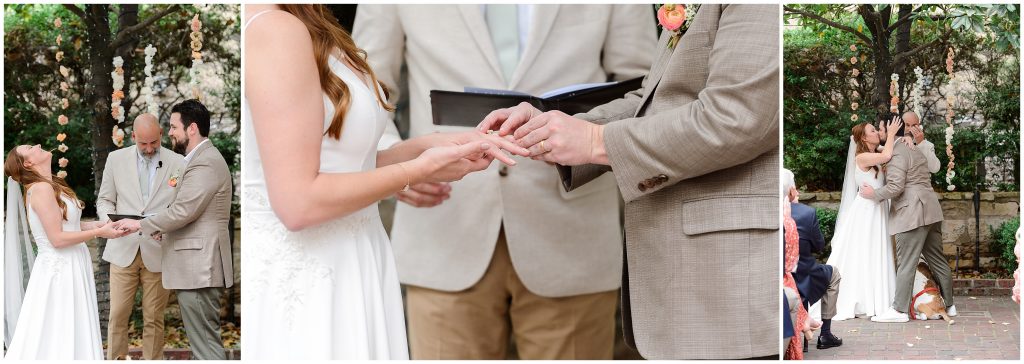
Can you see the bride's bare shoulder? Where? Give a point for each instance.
(276, 28)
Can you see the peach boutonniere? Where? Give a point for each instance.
(675, 19)
(173, 182)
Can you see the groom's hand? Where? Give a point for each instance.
(128, 225)
(507, 120)
(559, 138)
(428, 194)
(867, 191)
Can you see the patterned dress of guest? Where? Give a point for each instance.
(795, 349)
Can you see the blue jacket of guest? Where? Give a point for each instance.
(812, 278)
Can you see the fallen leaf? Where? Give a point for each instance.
(974, 298)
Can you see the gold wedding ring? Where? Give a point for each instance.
(542, 147)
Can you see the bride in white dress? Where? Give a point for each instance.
(861, 249)
(320, 277)
(58, 319)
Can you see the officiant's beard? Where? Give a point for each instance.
(178, 146)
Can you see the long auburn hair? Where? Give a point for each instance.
(14, 167)
(327, 36)
(859, 131)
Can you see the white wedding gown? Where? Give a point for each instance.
(329, 291)
(862, 252)
(59, 316)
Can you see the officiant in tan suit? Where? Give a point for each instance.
(509, 252)
(695, 155)
(197, 260)
(135, 182)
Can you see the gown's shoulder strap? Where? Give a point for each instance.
(247, 23)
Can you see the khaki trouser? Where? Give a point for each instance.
(476, 323)
(828, 301)
(123, 284)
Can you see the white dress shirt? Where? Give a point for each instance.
(188, 158)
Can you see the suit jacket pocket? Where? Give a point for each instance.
(603, 183)
(188, 244)
(726, 213)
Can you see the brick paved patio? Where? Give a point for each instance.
(986, 328)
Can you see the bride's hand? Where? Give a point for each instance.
(111, 231)
(893, 127)
(451, 163)
(462, 138)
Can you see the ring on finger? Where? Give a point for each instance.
(543, 148)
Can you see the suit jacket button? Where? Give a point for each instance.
(503, 170)
(642, 187)
(663, 178)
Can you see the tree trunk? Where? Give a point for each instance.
(877, 23)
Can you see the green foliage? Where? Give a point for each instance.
(1004, 239)
(32, 93)
(827, 224)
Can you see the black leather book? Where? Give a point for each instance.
(452, 108)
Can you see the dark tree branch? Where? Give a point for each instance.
(830, 23)
(906, 18)
(944, 38)
(124, 36)
(74, 9)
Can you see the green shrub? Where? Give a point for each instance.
(1003, 241)
(827, 225)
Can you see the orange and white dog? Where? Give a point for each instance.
(927, 301)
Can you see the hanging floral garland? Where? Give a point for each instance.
(62, 119)
(147, 89)
(854, 74)
(197, 55)
(916, 93)
(116, 110)
(954, 84)
(894, 98)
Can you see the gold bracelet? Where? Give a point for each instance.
(408, 179)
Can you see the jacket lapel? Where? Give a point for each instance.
(477, 26)
(661, 64)
(540, 26)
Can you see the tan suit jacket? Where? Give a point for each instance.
(561, 243)
(120, 193)
(695, 154)
(908, 182)
(196, 247)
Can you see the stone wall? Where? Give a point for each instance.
(958, 230)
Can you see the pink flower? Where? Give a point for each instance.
(62, 148)
(62, 120)
(853, 60)
(196, 25)
(854, 118)
(62, 174)
(63, 163)
(854, 106)
(672, 16)
(64, 86)
(61, 137)
(57, 23)
(64, 103)
(853, 47)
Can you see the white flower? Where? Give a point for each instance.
(118, 62)
(895, 77)
(150, 50)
